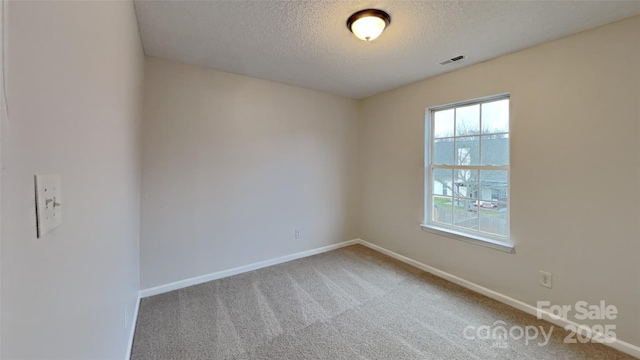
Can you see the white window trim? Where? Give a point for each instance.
(487, 240)
(472, 239)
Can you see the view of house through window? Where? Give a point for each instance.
(467, 183)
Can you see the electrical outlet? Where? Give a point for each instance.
(544, 279)
(298, 233)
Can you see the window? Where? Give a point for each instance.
(467, 171)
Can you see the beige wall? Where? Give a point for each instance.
(233, 164)
(575, 163)
(74, 89)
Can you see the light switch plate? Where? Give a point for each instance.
(48, 203)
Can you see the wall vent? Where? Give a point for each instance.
(453, 59)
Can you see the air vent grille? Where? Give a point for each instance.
(453, 59)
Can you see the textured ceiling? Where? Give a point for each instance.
(306, 43)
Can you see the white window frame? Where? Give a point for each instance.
(503, 243)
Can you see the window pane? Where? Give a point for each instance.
(474, 201)
(495, 116)
(493, 185)
(443, 123)
(495, 150)
(466, 183)
(442, 182)
(442, 210)
(468, 120)
(493, 218)
(443, 151)
(465, 214)
(467, 150)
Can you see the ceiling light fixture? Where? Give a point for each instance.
(368, 24)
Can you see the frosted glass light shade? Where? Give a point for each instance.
(368, 28)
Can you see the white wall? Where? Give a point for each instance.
(74, 85)
(233, 164)
(575, 151)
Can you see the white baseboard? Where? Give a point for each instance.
(239, 270)
(617, 344)
(132, 330)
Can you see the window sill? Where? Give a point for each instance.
(478, 240)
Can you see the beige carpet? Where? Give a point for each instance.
(351, 303)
